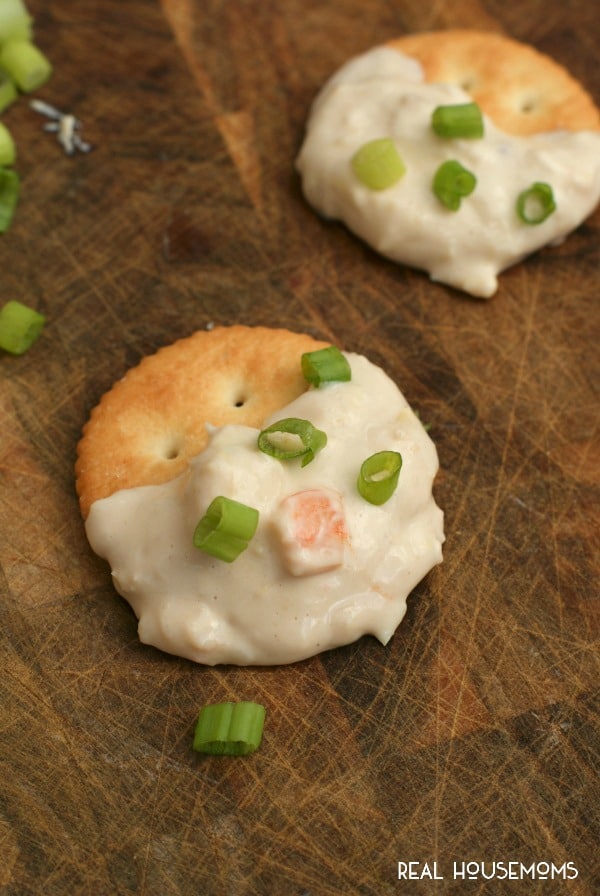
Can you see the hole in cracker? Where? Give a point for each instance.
(239, 400)
(172, 449)
(468, 83)
(529, 105)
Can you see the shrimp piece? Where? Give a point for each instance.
(311, 527)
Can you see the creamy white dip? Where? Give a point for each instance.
(284, 598)
(382, 94)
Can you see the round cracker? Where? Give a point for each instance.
(522, 90)
(153, 421)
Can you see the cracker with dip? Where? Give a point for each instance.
(260, 496)
(456, 152)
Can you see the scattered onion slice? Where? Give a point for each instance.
(25, 64)
(8, 91)
(7, 146)
(10, 186)
(229, 729)
(15, 21)
(20, 326)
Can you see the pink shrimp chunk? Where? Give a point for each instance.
(311, 526)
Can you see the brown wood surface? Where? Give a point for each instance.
(474, 735)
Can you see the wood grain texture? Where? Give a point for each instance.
(474, 735)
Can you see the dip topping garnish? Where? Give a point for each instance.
(458, 120)
(290, 438)
(226, 529)
(325, 365)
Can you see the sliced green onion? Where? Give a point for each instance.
(7, 146)
(460, 120)
(379, 475)
(15, 21)
(229, 729)
(25, 63)
(452, 182)
(8, 91)
(10, 186)
(536, 203)
(226, 529)
(290, 438)
(377, 164)
(325, 365)
(20, 326)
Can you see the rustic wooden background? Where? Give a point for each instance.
(474, 735)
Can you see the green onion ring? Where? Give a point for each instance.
(8, 91)
(378, 164)
(229, 729)
(7, 146)
(20, 327)
(15, 21)
(452, 182)
(378, 476)
(536, 203)
(25, 64)
(306, 440)
(325, 365)
(10, 187)
(458, 120)
(225, 529)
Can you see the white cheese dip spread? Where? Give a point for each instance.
(382, 94)
(324, 567)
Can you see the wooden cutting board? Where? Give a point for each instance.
(473, 736)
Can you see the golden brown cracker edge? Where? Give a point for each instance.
(521, 89)
(148, 426)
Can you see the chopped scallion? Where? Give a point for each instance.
(379, 475)
(229, 729)
(325, 365)
(15, 21)
(10, 186)
(226, 529)
(452, 182)
(536, 203)
(8, 91)
(290, 438)
(25, 64)
(377, 164)
(7, 146)
(20, 326)
(459, 120)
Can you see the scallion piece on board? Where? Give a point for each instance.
(8, 91)
(15, 21)
(325, 365)
(452, 182)
(226, 529)
(20, 326)
(536, 203)
(229, 729)
(25, 64)
(7, 146)
(378, 164)
(379, 475)
(10, 186)
(459, 120)
(290, 438)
